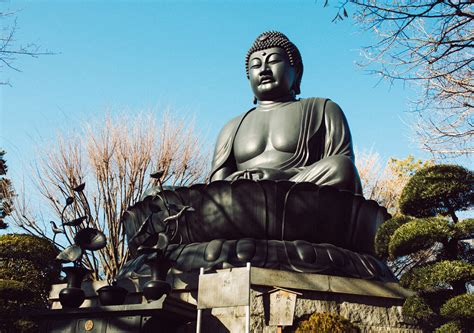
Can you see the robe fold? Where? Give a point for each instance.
(324, 153)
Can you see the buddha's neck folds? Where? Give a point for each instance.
(270, 105)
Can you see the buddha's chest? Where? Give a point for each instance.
(268, 132)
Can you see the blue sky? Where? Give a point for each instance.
(186, 55)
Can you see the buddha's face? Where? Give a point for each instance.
(271, 75)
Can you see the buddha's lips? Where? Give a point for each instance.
(266, 79)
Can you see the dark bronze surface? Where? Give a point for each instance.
(284, 138)
(263, 209)
(283, 181)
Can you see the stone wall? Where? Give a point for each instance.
(368, 313)
(371, 305)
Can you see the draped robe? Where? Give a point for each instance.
(324, 154)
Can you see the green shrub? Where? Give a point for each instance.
(326, 323)
(418, 235)
(464, 228)
(438, 189)
(27, 270)
(459, 307)
(14, 297)
(440, 275)
(28, 247)
(25, 326)
(385, 231)
(416, 308)
(13, 294)
(31, 260)
(450, 327)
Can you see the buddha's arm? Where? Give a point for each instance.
(336, 165)
(223, 162)
(338, 139)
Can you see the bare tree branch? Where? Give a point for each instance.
(10, 50)
(429, 43)
(114, 157)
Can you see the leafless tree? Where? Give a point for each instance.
(10, 49)
(384, 183)
(114, 158)
(429, 43)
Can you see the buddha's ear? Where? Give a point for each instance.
(299, 75)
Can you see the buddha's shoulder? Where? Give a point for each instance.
(317, 102)
(229, 129)
(231, 125)
(321, 104)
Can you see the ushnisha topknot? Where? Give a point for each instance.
(270, 39)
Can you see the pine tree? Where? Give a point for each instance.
(6, 192)
(429, 203)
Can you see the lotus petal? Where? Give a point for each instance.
(145, 250)
(266, 209)
(70, 254)
(79, 188)
(163, 241)
(154, 206)
(90, 239)
(130, 267)
(157, 175)
(75, 222)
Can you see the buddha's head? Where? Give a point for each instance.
(274, 67)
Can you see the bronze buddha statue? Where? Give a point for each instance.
(284, 190)
(282, 138)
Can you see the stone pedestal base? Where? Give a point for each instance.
(369, 314)
(372, 306)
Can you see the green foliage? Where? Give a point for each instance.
(459, 307)
(438, 189)
(6, 192)
(408, 166)
(25, 326)
(417, 235)
(416, 308)
(27, 270)
(464, 229)
(326, 323)
(440, 275)
(450, 327)
(386, 230)
(29, 247)
(14, 296)
(435, 190)
(29, 259)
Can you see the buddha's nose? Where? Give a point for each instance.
(265, 69)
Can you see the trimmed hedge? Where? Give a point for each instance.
(459, 307)
(326, 323)
(450, 327)
(437, 276)
(464, 228)
(29, 259)
(27, 270)
(385, 231)
(28, 247)
(14, 296)
(416, 308)
(438, 189)
(418, 235)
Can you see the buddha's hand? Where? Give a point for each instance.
(260, 174)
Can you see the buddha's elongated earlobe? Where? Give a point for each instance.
(254, 100)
